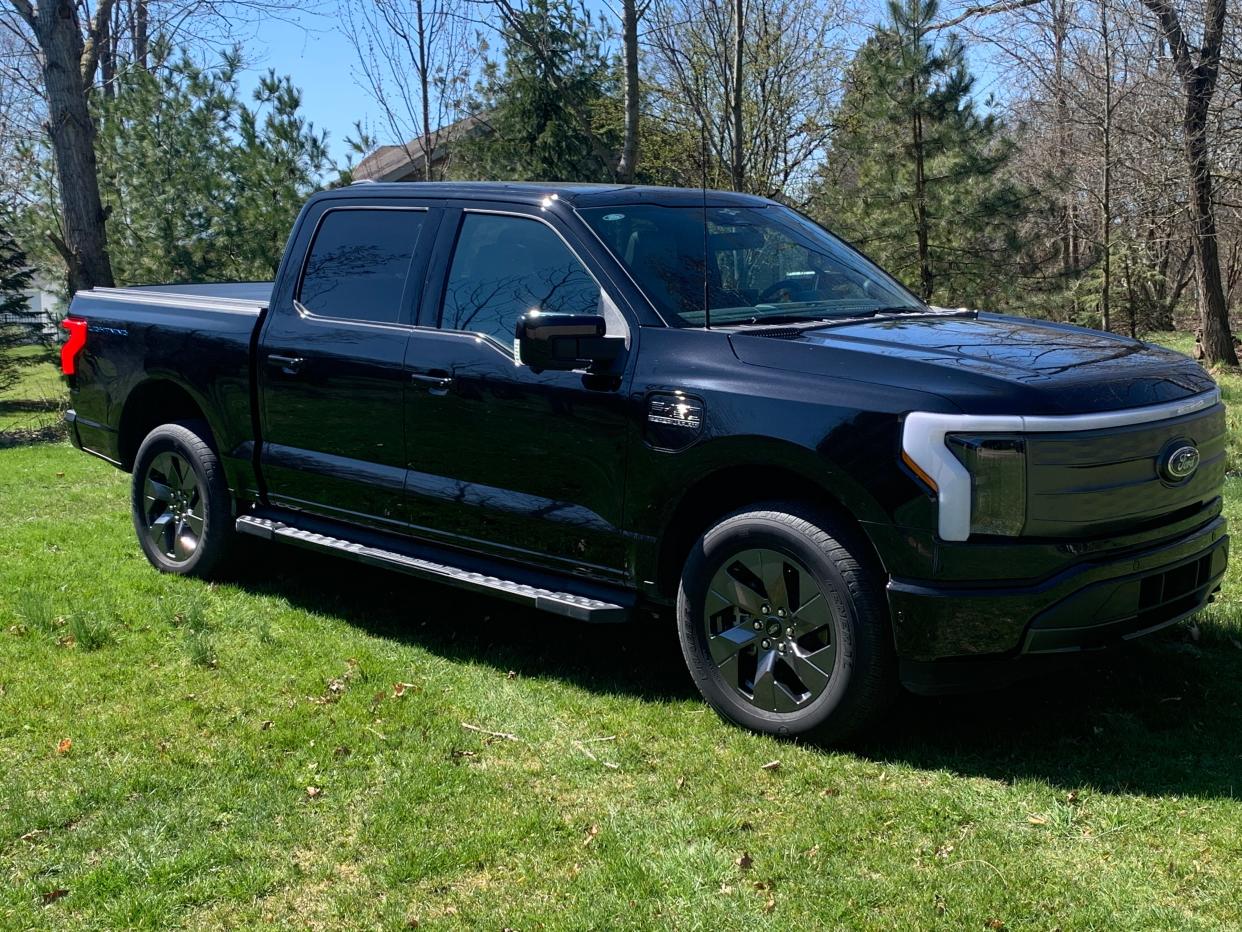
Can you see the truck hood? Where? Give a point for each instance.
(986, 363)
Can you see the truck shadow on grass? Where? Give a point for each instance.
(1158, 718)
(640, 659)
(1162, 717)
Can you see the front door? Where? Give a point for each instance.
(331, 368)
(528, 466)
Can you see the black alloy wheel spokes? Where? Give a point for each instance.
(770, 630)
(172, 507)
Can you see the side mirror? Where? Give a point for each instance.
(564, 341)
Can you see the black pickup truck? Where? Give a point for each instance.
(600, 400)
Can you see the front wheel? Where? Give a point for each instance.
(784, 626)
(181, 506)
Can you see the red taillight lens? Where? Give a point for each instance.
(73, 345)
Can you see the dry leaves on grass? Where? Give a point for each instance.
(53, 895)
(64, 746)
(771, 765)
(745, 862)
(338, 685)
(770, 889)
(314, 792)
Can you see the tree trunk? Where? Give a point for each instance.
(142, 37)
(1069, 243)
(107, 57)
(1131, 296)
(1213, 311)
(920, 210)
(73, 142)
(1106, 194)
(629, 48)
(1199, 84)
(424, 93)
(738, 167)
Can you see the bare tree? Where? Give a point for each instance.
(1199, 74)
(70, 49)
(1095, 101)
(414, 57)
(632, 13)
(762, 99)
(737, 164)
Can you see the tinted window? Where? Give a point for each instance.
(505, 266)
(752, 264)
(358, 264)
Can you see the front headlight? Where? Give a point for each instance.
(997, 467)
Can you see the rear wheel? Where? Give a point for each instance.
(180, 500)
(784, 626)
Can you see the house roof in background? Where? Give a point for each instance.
(404, 162)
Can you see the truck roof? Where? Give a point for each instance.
(534, 192)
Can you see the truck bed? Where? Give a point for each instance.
(149, 346)
(240, 296)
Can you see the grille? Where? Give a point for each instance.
(1086, 483)
(1172, 593)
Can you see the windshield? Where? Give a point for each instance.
(763, 265)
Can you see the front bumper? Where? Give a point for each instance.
(1090, 604)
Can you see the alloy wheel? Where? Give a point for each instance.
(771, 630)
(172, 507)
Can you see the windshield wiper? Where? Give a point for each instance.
(761, 320)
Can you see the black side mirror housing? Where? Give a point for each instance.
(564, 341)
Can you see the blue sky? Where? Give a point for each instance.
(314, 51)
(320, 60)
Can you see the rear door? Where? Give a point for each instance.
(530, 466)
(331, 362)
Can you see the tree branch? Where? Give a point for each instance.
(96, 38)
(1005, 7)
(1171, 30)
(25, 11)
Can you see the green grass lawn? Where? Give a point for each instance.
(317, 745)
(36, 398)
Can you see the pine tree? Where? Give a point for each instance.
(545, 105)
(200, 184)
(16, 320)
(915, 175)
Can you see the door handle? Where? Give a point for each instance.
(436, 384)
(286, 364)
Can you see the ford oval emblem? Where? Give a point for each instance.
(1179, 463)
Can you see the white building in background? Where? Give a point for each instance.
(48, 308)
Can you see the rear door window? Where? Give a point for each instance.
(359, 262)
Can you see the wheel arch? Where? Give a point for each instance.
(730, 488)
(152, 403)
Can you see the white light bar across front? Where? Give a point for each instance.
(923, 435)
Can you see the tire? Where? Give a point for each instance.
(769, 654)
(180, 501)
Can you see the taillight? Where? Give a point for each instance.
(77, 339)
